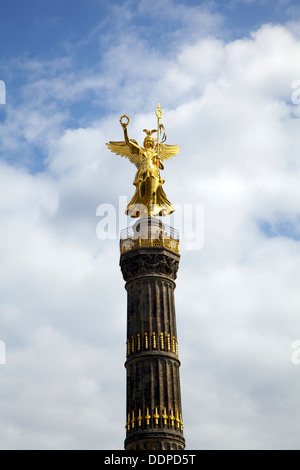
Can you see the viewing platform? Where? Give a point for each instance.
(149, 232)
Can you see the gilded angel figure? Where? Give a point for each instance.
(149, 198)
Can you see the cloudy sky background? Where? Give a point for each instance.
(226, 76)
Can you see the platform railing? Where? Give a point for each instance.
(157, 236)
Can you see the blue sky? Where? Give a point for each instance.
(225, 74)
(36, 28)
(64, 43)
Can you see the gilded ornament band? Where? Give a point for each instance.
(156, 342)
(159, 418)
(165, 242)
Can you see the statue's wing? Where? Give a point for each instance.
(167, 151)
(125, 150)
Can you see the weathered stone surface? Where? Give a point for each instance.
(149, 261)
(154, 414)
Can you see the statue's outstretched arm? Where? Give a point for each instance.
(126, 137)
(132, 143)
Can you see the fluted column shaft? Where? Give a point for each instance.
(154, 414)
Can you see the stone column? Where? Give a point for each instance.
(154, 414)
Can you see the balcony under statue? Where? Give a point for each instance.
(149, 232)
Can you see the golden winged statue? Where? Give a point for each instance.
(149, 198)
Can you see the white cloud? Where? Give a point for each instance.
(63, 304)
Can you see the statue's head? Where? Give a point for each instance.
(149, 140)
